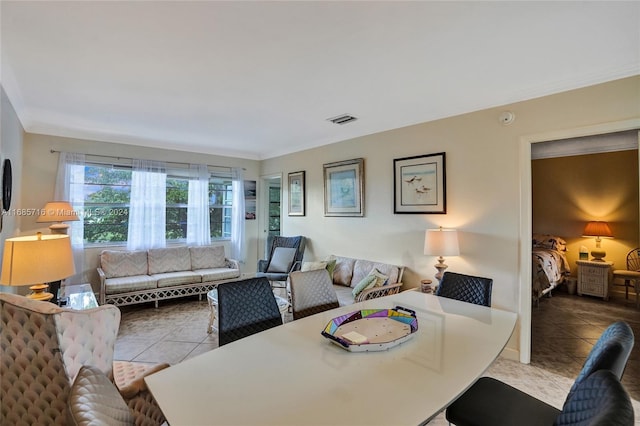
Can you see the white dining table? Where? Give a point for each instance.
(292, 375)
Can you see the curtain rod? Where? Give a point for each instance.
(173, 163)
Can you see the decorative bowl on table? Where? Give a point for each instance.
(372, 329)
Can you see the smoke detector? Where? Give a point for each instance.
(506, 118)
(342, 119)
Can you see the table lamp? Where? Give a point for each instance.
(599, 230)
(36, 260)
(58, 212)
(441, 242)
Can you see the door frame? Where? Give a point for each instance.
(526, 214)
(265, 183)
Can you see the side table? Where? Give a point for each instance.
(77, 297)
(594, 278)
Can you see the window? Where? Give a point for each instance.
(107, 190)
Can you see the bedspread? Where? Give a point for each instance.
(549, 267)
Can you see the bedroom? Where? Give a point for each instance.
(578, 180)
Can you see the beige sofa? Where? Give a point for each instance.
(130, 277)
(349, 272)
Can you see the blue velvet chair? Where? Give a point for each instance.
(466, 288)
(492, 402)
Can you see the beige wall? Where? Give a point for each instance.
(483, 186)
(570, 191)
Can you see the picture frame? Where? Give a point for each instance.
(344, 188)
(419, 184)
(297, 193)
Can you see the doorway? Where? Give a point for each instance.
(272, 207)
(526, 216)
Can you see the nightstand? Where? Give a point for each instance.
(594, 278)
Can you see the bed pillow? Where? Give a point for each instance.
(282, 259)
(549, 242)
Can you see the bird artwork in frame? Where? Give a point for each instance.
(420, 184)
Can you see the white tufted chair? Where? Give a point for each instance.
(43, 348)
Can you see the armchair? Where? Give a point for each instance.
(284, 255)
(44, 347)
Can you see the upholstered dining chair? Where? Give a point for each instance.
(43, 348)
(246, 307)
(284, 255)
(311, 292)
(466, 288)
(477, 405)
(95, 400)
(631, 274)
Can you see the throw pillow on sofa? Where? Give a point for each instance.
(366, 283)
(312, 266)
(207, 257)
(381, 279)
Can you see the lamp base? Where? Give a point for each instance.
(59, 228)
(598, 255)
(440, 266)
(40, 292)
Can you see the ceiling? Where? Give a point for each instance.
(260, 79)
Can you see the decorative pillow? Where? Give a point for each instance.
(343, 271)
(381, 279)
(549, 241)
(366, 282)
(116, 264)
(312, 266)
(331, 266)
(282, 259)
(207, 257)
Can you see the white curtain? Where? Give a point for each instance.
(70, 187)
(198, 222)
(147, 211)
(237, 215)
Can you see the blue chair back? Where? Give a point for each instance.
(466, 288)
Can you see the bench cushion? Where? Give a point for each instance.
(117, 263)
(170, 279)
(170, 259)
(215, 274)
(129, 284)
(207, 257)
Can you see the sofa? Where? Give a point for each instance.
(348, 273)
(130, 277)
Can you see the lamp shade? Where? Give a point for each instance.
(57, 211)
(36, 259)
(597, 229)
(441, 242)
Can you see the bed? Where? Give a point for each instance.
(549, 264)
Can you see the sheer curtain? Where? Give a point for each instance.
(69, 187)
(237, 215)
(198, 223)
(147, 211)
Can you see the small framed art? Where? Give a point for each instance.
(344, 188)
(296, 193)
(419, 184)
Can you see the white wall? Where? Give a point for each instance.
(483, 186)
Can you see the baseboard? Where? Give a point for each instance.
(511, 354)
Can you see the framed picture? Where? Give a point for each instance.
(344, 188)
(419, 184)
(296, 194)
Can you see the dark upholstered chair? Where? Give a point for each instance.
(492, 402)
(95, 400)
(312, 292)
(466, 288)
(599, 400)
(246, 307)
(284, 255)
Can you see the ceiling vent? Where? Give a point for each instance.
(342, 119)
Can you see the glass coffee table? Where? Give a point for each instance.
(77, 297)
(212, 299)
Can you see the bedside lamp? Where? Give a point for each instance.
(441, 242)
(37, 259)
(58, 212)
(599, 230)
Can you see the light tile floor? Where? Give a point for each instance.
(564, 328)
